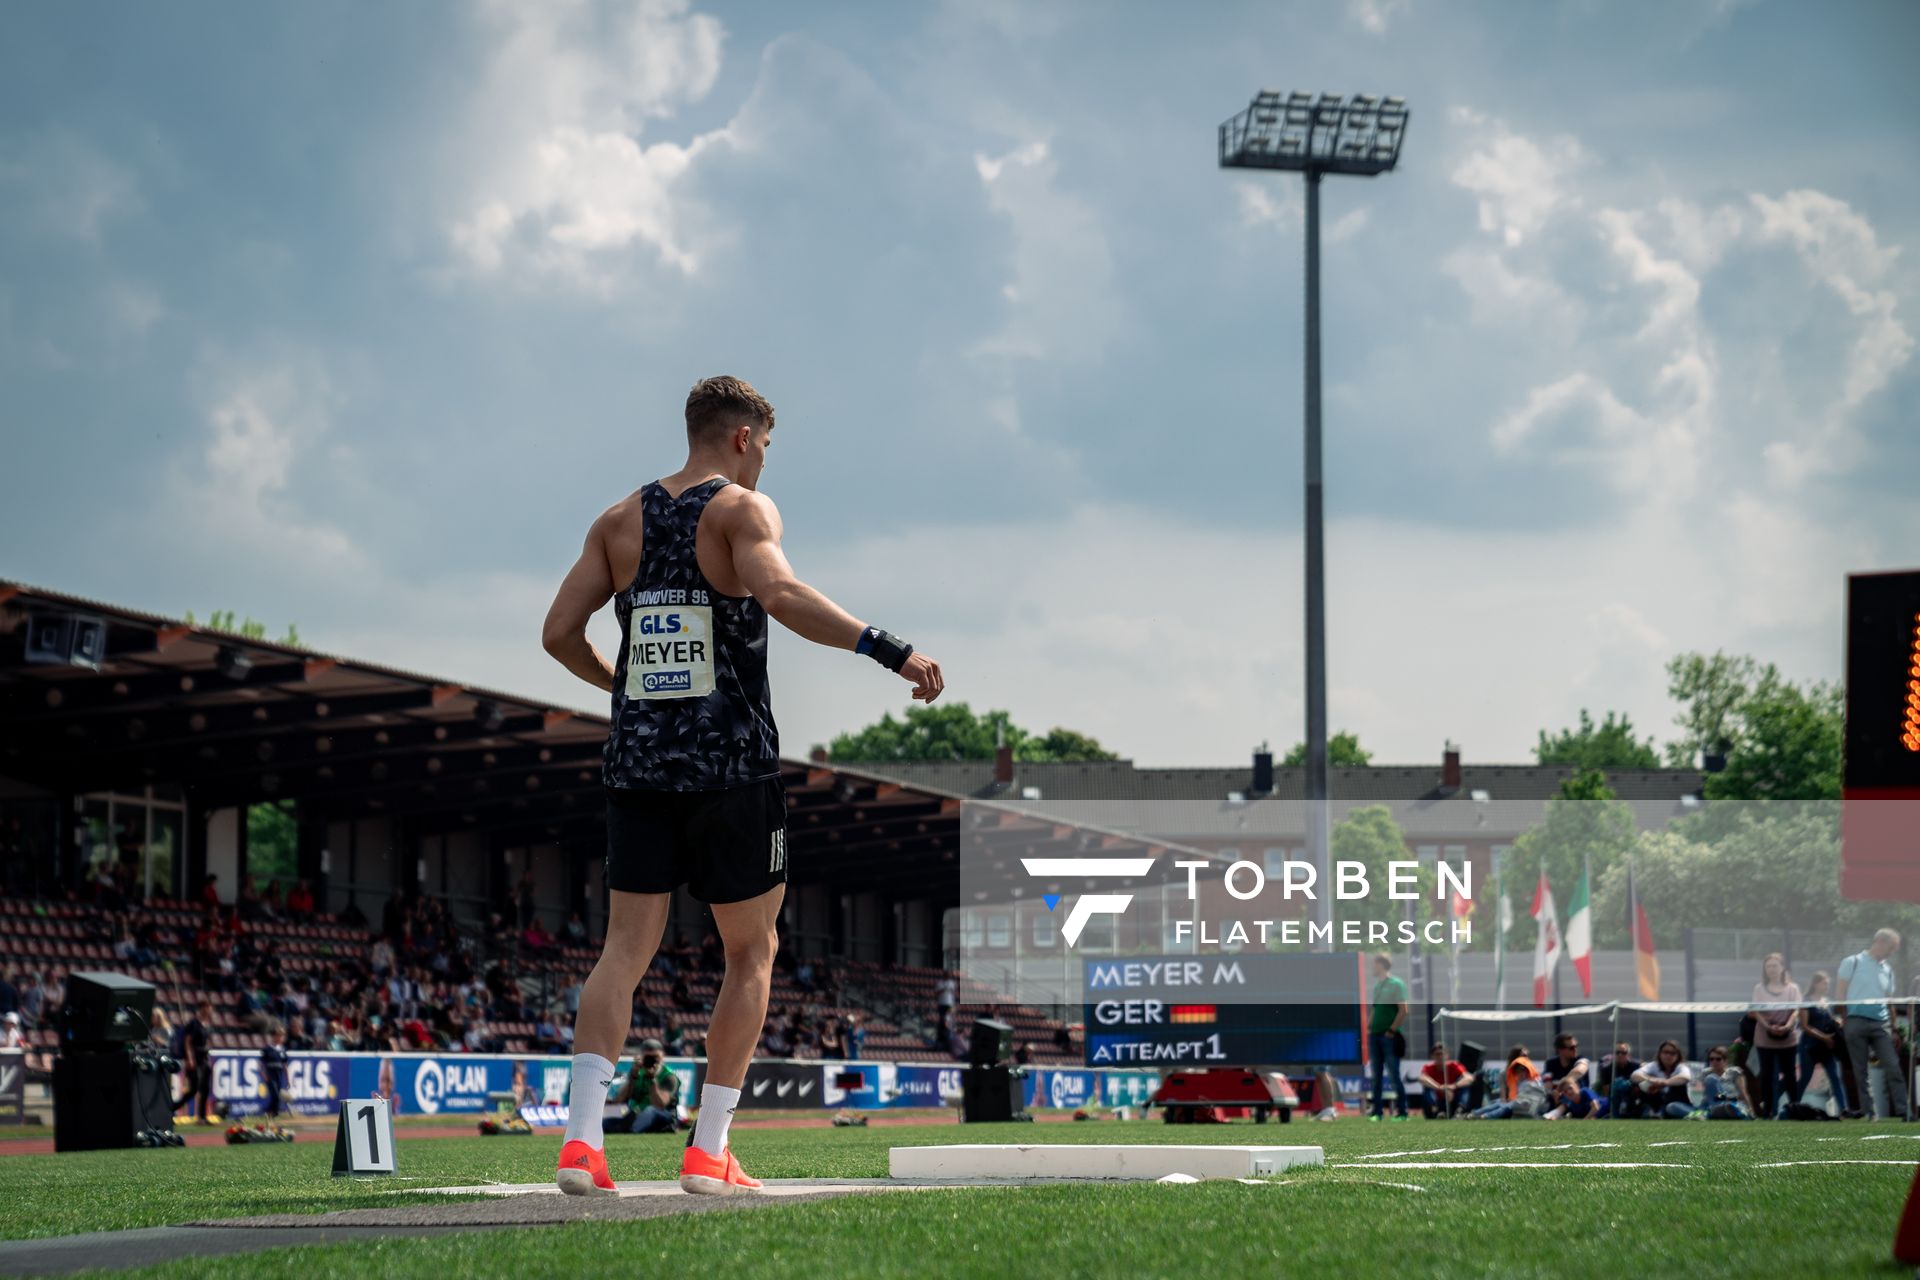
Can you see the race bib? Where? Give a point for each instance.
(670, 652)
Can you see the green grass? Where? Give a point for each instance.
(1705, 1216)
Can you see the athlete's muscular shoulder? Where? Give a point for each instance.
(735, 517)
(620, 530)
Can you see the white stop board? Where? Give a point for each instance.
(1064, 1160)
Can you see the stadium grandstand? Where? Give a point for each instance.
(440, 886)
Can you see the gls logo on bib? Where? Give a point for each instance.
(670, 652)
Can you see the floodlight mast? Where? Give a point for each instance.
(1316, 135)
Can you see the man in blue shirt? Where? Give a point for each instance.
(1868, 1030)
(273, 1071)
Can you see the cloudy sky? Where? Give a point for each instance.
(354, 315)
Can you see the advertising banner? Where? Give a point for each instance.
(315, 1083)
(13, 1086)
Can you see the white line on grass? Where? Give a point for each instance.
(1783, 1164)
(1669, 1144)
(1467, 1151)
(1404, 1186)
(1882, 1137)
(1520, 1164)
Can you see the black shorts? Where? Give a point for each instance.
(727, 845)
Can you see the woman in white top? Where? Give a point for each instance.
(1776, 1034)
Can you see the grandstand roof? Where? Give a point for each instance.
(231, 720)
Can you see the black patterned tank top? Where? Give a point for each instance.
(691, 706)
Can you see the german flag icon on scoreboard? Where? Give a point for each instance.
(1192, 1013)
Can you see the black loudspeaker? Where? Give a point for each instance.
(991, 1043)
(105, 1009)
(991, 1095)
(1472, 1056)
(107, 1098)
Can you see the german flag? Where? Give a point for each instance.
(1193, 1013)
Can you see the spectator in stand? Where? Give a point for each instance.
(1820, 1044)
(576, 932)
(1776, 998)
(56, 990)
(1023, 1053)
(683, 997)
(210, 889)
(947, 994)
(1661, 1088)
(272, 905)
(833, 1039)
(775, 1041)
(300, 901)
(1566, 1061)
(33, 1000)
(248, 902)
(1868, 1028)
(536, 941)
(1442, 1080)
(1385, 1042)
(11, 1036)
(803, 976)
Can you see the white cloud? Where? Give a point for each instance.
(1260, 207)
(560, 183)
(1063, 300)
(1520, 182)
(1375, 16)
(70, 188)
(262, 422)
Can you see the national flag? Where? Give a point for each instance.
(1646, 965)
(1580, 933)
(1193, 1013)
(1502, 926)
(1546, 947)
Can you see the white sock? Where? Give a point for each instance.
(716, 1116)
(587, 1099)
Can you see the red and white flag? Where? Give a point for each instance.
(1546, 947)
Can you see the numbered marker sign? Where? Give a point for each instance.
(364, 1141)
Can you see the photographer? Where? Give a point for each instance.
(650, 1093)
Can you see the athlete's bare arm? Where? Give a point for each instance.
(587, 586)
(753, 537)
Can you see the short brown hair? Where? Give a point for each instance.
(718, 405)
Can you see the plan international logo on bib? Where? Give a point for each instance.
(667, 681)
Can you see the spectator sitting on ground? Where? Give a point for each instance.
(650, 1093)
(1441, 1082)
(1572, 1100)
(1659, 1088)
(1523, 1094)
(1566, 1061)
(1620, 1066)
(1725, 1090)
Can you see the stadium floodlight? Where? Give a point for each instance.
(1316, 134)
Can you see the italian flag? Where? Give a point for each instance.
(1580, 934)
(1546, 946)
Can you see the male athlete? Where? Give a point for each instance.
(692, 768)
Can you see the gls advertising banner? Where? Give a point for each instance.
(315, 1083)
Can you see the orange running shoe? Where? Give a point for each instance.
(583, 1171)
(709, 1175)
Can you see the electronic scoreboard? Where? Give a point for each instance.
(1880, 823)
(1223, 1010)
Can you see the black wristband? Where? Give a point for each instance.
(886, 649)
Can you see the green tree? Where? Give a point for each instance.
(223, 620)
(954, 732)
(1585, 826)
(273, 843)
(1782, 740)
(1343, 749)
(1607, 745)
(1370, 836)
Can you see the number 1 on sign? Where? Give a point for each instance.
(363, 1142)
